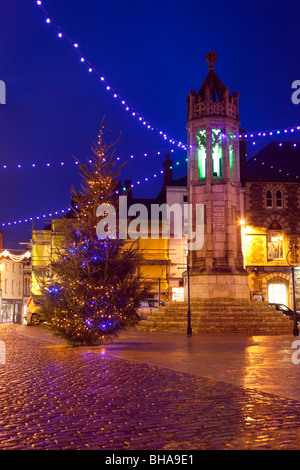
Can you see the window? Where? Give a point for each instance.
(279, 202)
(275, 201)
(26, 286)
(201, 153)
(12, 286)
(217, 152)
(231, 155)
(277, 293)
(269, 198)
(275, 242)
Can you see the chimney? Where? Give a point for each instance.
(167, 166)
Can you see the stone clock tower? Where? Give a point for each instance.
(216, 270)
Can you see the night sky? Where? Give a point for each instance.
(152, 54)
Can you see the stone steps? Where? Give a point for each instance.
(221, 318)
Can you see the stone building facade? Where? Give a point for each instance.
(15, 280)
(251, 212)
(271, 234)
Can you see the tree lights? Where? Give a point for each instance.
(94, 289)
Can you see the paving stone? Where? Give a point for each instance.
(57, 397)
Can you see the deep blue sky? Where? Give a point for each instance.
(152, 53)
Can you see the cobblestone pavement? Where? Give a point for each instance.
(56, 397)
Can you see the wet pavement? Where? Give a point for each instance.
(148, 391)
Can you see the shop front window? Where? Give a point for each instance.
(7, 314)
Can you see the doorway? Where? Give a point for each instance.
(277, 293)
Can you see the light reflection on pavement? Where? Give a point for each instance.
(148, 391)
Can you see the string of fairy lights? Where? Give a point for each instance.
(134, 113)
(274, 132)
(131, 110)
(59, 164)
(52, 214)
(44, 216)
(277, 172)
(14, 256)
(108, 87)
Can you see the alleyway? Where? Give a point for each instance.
(140, 392)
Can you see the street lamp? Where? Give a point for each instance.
(189, 326)
(188, 268)
(296, 329)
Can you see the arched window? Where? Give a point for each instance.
(217, 152)
(201, 153)
(275, 242)
(279, 201)
(269, 198)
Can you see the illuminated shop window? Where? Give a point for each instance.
(217, 152)
(275, 242)
(201, 153)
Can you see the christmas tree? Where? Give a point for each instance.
(94, 290)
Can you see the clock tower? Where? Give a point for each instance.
(216, 270)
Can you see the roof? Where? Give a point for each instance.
(179, 182)
(214, 85)
(277, 161)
